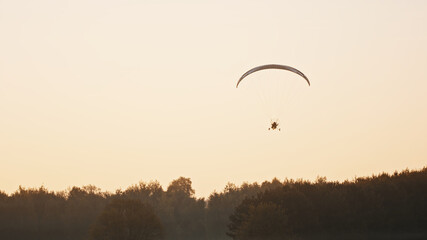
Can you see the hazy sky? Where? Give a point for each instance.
(114, 92)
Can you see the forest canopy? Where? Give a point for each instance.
(377, 207)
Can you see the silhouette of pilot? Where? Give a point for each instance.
(274, 126)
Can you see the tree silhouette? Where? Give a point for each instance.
(127, 219)
(386, 206)
(377, 207)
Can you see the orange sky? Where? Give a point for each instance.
(113, 92)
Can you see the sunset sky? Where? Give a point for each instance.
(111, 93)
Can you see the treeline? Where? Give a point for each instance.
(42, 214)
(378, 206)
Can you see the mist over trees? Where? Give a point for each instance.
(378, 207)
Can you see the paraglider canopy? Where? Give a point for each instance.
(275, 91)
(272, 66)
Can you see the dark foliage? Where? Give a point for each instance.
(221, 205)
(40, 214)
(127, 219)
(378, 207)
(385, 206)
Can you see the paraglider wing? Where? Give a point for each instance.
(272, 66)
